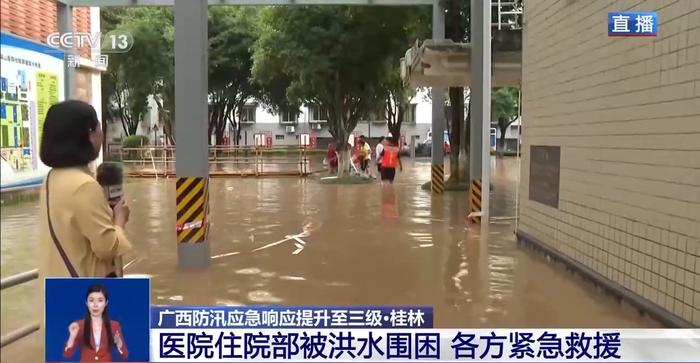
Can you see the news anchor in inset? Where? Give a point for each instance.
(96, 334)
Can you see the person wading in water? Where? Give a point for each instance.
(390, 159)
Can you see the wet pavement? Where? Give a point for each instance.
(364, 245)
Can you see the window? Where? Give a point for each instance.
(317, 113)
(248, 113)
(411, 114)
(279, 137)
(289, 116)
(377, 116)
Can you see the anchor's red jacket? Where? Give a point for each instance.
(104, 353)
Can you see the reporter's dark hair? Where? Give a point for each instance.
(65, 140)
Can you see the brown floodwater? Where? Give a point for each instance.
(364, 245)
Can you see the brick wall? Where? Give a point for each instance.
(626, 114)
(36, 19)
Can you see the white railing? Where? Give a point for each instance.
(508, 11)
(22, 332)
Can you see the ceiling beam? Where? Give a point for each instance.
(102, 3)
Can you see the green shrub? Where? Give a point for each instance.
(135, 141)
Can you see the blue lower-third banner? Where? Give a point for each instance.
(291, 317)
(441, 345)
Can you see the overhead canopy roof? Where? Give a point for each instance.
(444, 63)
(246, 2)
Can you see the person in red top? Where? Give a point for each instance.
(96, 334)
(332, 158)
(390, 159)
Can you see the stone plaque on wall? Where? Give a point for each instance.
(544, 174)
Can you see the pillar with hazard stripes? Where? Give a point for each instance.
(437, 179)
(474, 215)
(192, 110)
(192, 197)
(192, 202)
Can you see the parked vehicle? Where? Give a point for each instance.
(424, 149)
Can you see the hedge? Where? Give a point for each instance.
(135, 141)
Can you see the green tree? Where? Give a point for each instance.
(505, 107)
(397, 102)
(332, 56)
(164, 91)
(110, 18)
(135, 75)
(394, 96)
(457, 29)
(232, 34)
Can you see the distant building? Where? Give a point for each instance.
(513, 134)
(286, 127)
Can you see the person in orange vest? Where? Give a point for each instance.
(390, 159)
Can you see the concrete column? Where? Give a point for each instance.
(191, 111)
(96, 81)
(438, 119)
(480, 149)
(65, 25)
(413, 148)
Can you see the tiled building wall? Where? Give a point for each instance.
(626, 115)
(36, 19)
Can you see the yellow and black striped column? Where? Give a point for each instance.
(475, 200)
(437, 179)
(192, 198)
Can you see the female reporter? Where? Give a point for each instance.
(80, 235)
(96, 334)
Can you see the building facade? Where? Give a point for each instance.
(611, 147)
(34, 20)
(33, 74)
(285, 128)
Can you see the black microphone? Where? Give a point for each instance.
(110, 175)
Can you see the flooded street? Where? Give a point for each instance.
(364, 245)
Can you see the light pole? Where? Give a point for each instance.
(155, 134)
